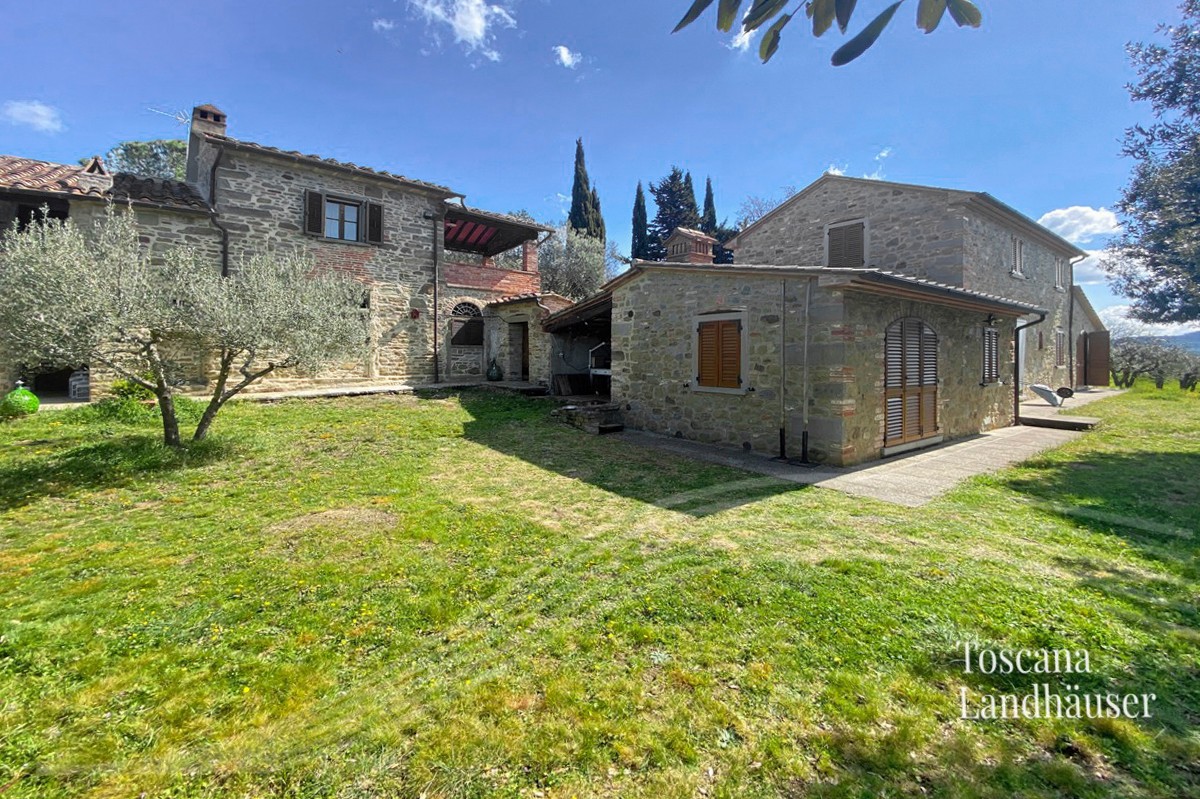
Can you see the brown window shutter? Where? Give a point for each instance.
(375, 223)
(314, 213)
(708, 357)
(847, 247)
(731, 354)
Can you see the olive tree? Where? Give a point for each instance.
(95, 294)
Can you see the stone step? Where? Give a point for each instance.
(1061, 422)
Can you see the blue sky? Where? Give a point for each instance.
(490, 97)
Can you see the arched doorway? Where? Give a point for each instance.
(910, 364)
(466, 340)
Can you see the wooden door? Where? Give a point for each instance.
(1096, 364)
(910, 363)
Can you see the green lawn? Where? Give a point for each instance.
(457, 596)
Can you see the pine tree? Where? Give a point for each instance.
(640, 246)
(676, 203)
(708, 220)
(585, 201)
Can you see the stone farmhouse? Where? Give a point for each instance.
(861, 318)
(439, 302)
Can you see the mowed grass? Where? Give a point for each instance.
(457, 596)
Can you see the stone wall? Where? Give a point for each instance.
(917, 231)
(990, 261)
(653, 334)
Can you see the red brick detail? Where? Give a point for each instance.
(490, 278)
(529, 256)
(345, 258)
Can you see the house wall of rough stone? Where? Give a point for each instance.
(261, 202)
(989, 256)
(965, 406)
(654, 321)
(500, 342)
(653, 335)
(916, 231)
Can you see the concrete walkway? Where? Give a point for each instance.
(912, 480)
(1040, 409)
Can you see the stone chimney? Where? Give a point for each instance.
(206, 119)
(690, 246)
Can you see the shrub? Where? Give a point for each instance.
(18, 402)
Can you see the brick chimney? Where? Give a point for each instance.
(529, 256)
(206, 119)
(690, 246)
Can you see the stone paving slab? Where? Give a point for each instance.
(912, 479)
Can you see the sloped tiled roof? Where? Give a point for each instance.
(318, 160)
(31, 175)
(137, 189)
(27, 174)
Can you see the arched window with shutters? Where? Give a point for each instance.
(910, 363)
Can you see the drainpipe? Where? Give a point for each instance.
(1071, 318)
(783, 369)
(804, 410)
(1017, 365)
(214, 216)
(437, 279)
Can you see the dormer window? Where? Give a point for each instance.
(846, 244)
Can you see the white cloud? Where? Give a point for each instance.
(566, 57)
(742, 40)
(1116, 318)
(473, 22)
(382, 25)
(834, 169)
(880, 157)
(1081, 223)
(1088, 272)
(39, 116)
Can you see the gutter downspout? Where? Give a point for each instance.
(214, 216)
(1070, 287)
(804, 411)
(1017, 365)
(783, 369)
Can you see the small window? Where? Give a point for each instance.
(1062, 273)
(991, 355)
(1060, 347)
(1017, 268)
(719, 354)
(341, 220)
(466, 325)
(846, 244)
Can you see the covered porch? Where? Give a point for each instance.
(581, 349)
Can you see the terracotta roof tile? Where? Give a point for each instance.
(77, 181)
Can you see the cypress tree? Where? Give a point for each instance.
(676, 207)
(708, 219)
(640, 246)
(585, 202)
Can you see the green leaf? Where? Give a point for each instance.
(822, 13)
(844, 9)
(865, 38)
(965, 12)
(695, 11)
(760, 12)
(770, 40)
(727, 13)
(929, 14)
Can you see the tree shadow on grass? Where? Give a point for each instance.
(522, 428)
(110, 463)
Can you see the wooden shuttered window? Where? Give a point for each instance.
(910, 361)
(719, 354)
(991, 355)
(314, 218)
(847, 245)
